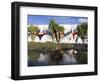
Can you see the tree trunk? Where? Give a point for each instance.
(83, 41)
(58, 47)
(53, 36)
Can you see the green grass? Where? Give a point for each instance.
(47, 45)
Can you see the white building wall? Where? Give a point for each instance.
(29, 38)
(66, 39)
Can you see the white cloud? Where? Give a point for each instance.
(82, 20)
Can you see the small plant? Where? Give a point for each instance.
(82, 31)
(33, 31)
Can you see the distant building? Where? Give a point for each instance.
(70, 34)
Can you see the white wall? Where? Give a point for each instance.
(5, 41)
(66, 39)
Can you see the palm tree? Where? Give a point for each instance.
(33, 31)
(51, 29)
(57, 31)
(82, 31)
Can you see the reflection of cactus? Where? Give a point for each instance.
(56, 56)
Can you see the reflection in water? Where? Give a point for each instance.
(44, 59)
(68, 59)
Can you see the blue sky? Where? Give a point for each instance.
(44, 19)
